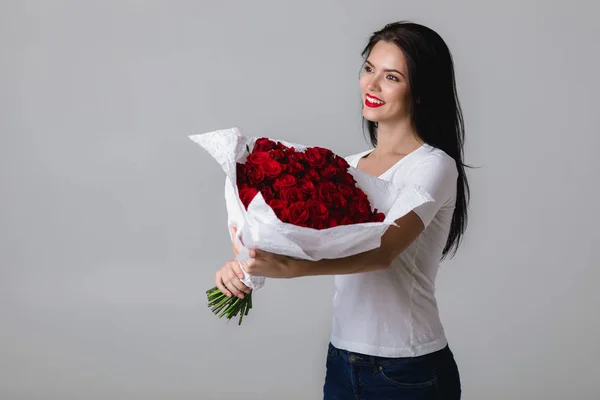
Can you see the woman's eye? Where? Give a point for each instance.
(392, 77)
(368, 69)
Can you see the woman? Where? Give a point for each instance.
(387, 341)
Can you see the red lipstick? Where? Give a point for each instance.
(373, 104)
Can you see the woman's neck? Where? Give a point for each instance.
(396, 139)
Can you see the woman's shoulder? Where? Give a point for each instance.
(437, 158)
(432, 166)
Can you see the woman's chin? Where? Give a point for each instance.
(370, 116)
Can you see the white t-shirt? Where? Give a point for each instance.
(393, 312)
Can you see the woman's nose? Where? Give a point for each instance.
(373, 84)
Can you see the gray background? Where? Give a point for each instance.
(112, 221)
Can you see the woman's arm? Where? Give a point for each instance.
(393, 242)
(436, 174)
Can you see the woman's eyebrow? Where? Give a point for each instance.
(386, 70)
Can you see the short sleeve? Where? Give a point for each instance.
(437, 174)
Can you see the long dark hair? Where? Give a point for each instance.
(436, 111)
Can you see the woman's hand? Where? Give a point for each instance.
(261, 263)
(269, 265)
(228, 278)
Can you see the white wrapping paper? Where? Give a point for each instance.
(259, 228)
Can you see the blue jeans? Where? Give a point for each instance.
(355, 376)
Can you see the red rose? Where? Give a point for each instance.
(282, 146)
(281, 209)
(296, 156)
(360, 195)
(241, 173)
(292, 194)
(347, 178)
(258, 158)
(284, 180)
(320, 224)
(295, 168)
(359, 209)
(272, 168)
(267, 194)
(298, 213)
(307, 187)
(377, 216)
(312, 175)
(338, 200)
(316, 158)
(346, 221)
(327, 154)
(263, 144)
(257, 174)
(346, 190)
(318, 211)
(332, 222)
(247, 193)
(342, 163)
(329, 171)
(277, 154)
(324, 191)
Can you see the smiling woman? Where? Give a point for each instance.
(387, 339)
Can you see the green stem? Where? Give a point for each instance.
(229, 307)
(222, 303)
(249, 303)
(214, 300)
(242, 311)
(237, 308)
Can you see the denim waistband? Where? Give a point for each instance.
(376, 361)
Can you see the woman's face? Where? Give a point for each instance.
(384, 84)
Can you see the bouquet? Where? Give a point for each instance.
(298, 201)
